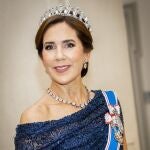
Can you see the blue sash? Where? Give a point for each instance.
(112, 143)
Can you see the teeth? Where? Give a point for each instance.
(61, 67)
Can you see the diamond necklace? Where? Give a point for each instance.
(57, 98)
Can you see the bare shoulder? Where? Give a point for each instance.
(28, 115)
(36, 112)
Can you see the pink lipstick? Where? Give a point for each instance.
(61, 69)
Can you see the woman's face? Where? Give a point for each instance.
(63, 53)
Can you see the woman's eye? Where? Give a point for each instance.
(49, 47)
(70, 45)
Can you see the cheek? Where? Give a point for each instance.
(46, 58)
(77, 61)
(77, 56)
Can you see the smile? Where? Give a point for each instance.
(62, 69)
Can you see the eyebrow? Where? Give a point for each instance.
(65, 41)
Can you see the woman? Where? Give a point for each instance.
(68, 115)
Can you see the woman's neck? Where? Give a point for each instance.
(74, 91)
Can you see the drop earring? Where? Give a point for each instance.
(85, 64)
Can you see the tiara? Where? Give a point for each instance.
(67, 11)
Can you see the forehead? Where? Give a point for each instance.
(59, 32)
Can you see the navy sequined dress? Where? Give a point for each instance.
(82, 130)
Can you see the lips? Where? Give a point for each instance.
(61, 69)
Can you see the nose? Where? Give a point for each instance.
(59, 54)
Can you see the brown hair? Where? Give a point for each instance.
(82, 33)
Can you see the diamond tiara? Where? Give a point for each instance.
(67, 11)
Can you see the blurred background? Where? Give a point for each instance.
(119, 61)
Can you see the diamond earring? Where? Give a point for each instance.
(85, 65)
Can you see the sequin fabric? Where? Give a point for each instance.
(82, 130)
